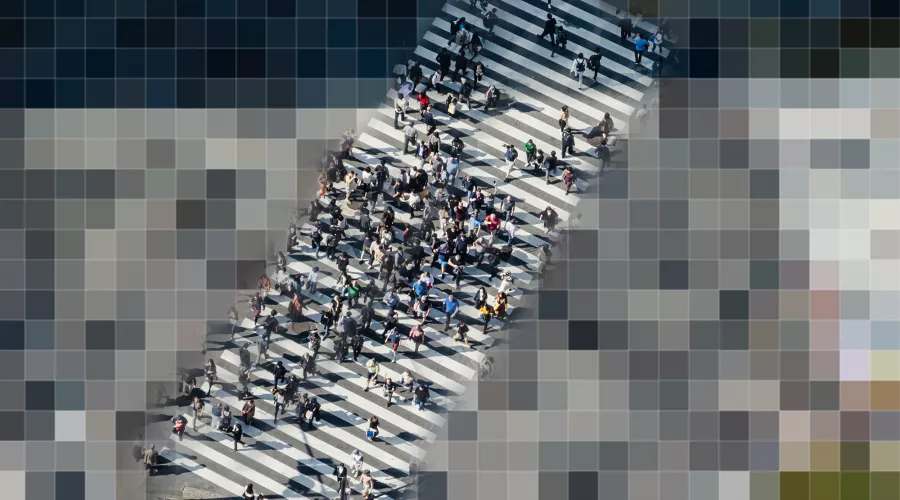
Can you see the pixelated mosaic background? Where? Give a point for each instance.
(732, 306)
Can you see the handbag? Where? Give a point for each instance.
(309, 414)
(370, 433)
(451, 110)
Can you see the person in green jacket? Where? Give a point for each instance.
(530, 150)
(353, 290)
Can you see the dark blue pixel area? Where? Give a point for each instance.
(201, 54)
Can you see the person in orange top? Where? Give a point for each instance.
(296, 306)
(265, 286)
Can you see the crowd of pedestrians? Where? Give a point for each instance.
(423, 237)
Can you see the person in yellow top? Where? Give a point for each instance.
(487, 312)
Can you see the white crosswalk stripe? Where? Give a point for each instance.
(284, 459)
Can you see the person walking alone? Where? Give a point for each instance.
(237, 434)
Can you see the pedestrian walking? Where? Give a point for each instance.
(510, 157)
(462, 334)
(372, 369)
(594, 62)
(410, 135)
(399, 110)
(625, 26)
(478, 74)
(559, 44)
(188, 383)
(549, 28)
(150, 459)
(197, 408)
(388, 390)
(248, 493)
(578, 66)
(262, 350)
(568, 179)
(356, 463)
(603, 155)
(394, 338)
(462, 65)
(421, 396)
(180, 426)
(210, 371)
(248, 411)
(256, 305)
(563, 118)
(568, 142)
(280, 403)
(640, 46)
(451, 308)
(216, 418)
(417, 336)
(340, 476)
(372, 431)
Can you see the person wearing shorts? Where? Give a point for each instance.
(510, 157)
(372, 367)
(395, 343)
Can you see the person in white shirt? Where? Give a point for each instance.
(356, 463)
(413, 201)
(510, 229)
(367, 176)
(578, 66)
(642, 114)
(656, 41)
(312, 279)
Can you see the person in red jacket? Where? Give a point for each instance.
(424, 101)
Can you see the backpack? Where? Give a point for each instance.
(579, 65)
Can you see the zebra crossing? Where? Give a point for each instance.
(284, 461)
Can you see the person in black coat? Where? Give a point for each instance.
(421, 395)
(237, 433)
(311, 412)
(462, 64)
(625, 26)
(340, 475)
(444, 60)
(366, 314)
(549, 28)
(390, 321)
(280, 373)
(568, 142)
(357, 345)
(594, 62)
